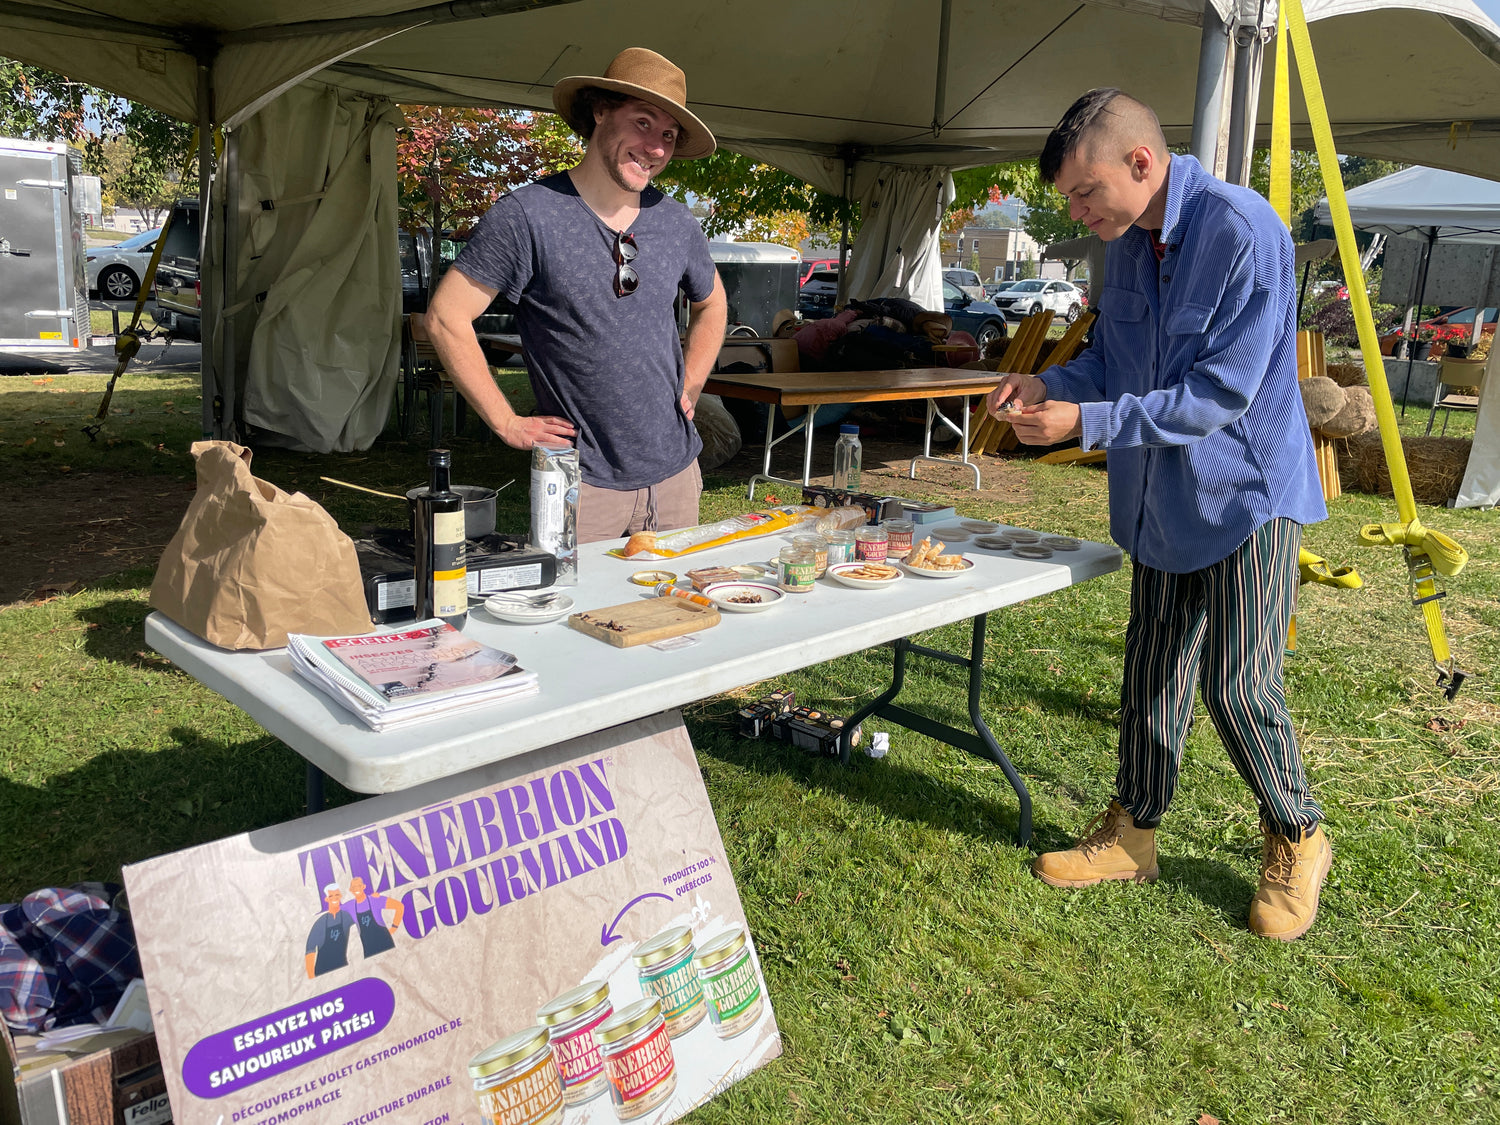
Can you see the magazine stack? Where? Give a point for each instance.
(411, 673)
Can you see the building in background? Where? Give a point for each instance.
(1004, 254)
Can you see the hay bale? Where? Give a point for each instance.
(1435, 465)
(1348, 374)
(1322, 398)
(1357, 416)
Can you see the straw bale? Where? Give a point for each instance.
(1357, 416)
(1435, 465)
(1322, 398)
(1348, 374)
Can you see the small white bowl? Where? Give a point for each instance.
(515, 610)
(722, 594)
(952, 572)
(840, 573)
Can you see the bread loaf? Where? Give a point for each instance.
(639, 543)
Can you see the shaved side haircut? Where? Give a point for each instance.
(1105, 123)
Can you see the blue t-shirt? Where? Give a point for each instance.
(610, 365)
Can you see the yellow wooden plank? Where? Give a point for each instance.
(1074, 456)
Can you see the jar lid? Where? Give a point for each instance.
(509, 1051)
(846, 428)
(839, 535)
(573, 1003)
(720, 946)
(871, 533)
(663, 945)
(628, 1020)
(809, 541)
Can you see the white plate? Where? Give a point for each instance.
(723, 593)
(517, 612)
(954, 573)
(839, 573)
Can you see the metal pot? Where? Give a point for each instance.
(479, 509)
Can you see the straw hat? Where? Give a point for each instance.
(639, 73)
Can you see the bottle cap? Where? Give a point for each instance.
(439, 457)
(848, 429)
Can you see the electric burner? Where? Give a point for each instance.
(495, 563)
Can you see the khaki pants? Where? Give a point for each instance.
(604, 513)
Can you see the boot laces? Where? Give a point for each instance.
(1100, 833)
(1282, 863)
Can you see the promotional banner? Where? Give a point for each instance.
(552, 940)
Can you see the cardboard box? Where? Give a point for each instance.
(110, 1079)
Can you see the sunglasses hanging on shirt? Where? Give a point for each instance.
(627, 281)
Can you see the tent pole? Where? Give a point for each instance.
(1413, 312)
(1208, 101)
(940, 96)
(234, 408)
(843, 291)
(213, 402)
(1249, 46)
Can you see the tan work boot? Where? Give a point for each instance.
(1112, 847)
(1291, 876)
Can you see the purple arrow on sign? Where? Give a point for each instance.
(607, 933)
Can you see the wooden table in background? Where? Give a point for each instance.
(820, 388)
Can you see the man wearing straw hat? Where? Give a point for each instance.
(1191, 386)
(593, 259)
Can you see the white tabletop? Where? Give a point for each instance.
(588, 685)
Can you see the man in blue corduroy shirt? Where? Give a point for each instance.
(1191, 385)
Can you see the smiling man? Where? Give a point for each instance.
(1191, 386)
(593, 259)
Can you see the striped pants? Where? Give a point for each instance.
(1225, 627)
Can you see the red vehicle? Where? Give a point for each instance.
(811, 266)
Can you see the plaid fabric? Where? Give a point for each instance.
(66, 957)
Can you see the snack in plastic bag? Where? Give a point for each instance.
(647, 545)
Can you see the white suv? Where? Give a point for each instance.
(1027, 297)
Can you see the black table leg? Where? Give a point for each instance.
(314, 789)
(981, 743)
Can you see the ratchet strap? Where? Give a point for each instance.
(128, 343)
(1427, 553)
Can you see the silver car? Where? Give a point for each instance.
(967, 281)
(115, 272)
(1025, 298)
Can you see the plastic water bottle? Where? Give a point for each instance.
(846, 459)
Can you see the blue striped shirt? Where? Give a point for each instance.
(1191, 384)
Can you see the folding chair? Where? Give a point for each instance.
(422, 371)
(1453, 374)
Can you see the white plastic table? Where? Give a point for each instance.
(588, 685)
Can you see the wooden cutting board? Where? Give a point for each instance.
(645, 621)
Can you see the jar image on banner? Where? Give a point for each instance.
(665, 968)
(571, 1019)
(516, 1081)
(731, 982)
(637, 1058)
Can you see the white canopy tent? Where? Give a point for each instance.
(872, 99)
(1430, 205)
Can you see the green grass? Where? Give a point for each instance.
(918, 971)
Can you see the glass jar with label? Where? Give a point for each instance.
(570, 1020)
(899, 534)
(638, 1058)
(819, 547)
(664, 966)
(516, 1080)
(840, 546)
(870, 544)
(731, 983)
(797, 569)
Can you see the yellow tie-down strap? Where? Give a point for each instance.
(1315, 568)
(1428, 553)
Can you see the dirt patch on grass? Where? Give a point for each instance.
(85, 526)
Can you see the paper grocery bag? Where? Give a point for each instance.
(251, 563)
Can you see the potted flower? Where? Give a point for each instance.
(1454, 340)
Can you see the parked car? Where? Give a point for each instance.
(1463, 317)
(968, 281)
(811, 266)
(815, 298)
(115, 272)
(1027, 297)
(979, 319)
(178, 290)
(995, 288)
